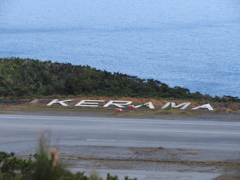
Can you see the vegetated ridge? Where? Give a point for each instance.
(25, 78)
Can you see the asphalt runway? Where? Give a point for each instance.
(20, 133)
(16, 129)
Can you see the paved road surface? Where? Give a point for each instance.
(19, 133)
(121, 132)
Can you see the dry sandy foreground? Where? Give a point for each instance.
(151, 159)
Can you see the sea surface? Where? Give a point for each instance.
(188, 43)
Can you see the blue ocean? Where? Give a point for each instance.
(188, 43)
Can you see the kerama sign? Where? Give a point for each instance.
(125, 104)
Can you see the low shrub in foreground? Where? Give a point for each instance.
(42, 166)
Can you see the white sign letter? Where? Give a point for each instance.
(89, 103)
(120, 104)
(205, 106)
(173, 105)
(55, 101)
(149, 104)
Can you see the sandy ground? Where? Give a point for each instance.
(151, 159)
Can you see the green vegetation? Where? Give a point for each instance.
(42, 166)
(27, 78)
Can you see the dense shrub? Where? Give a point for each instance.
(21, 78)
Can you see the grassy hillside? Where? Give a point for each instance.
(25, 78)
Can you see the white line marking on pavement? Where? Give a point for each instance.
(101, 140)
(177, 131)
(208, 144)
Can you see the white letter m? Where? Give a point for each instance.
(173, 105)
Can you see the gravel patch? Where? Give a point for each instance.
(147, 158)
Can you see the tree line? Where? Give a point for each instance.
(24, 78)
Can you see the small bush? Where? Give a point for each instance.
(42, 166)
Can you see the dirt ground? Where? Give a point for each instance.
(151, 159)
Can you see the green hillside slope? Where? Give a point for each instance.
(21, 78)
